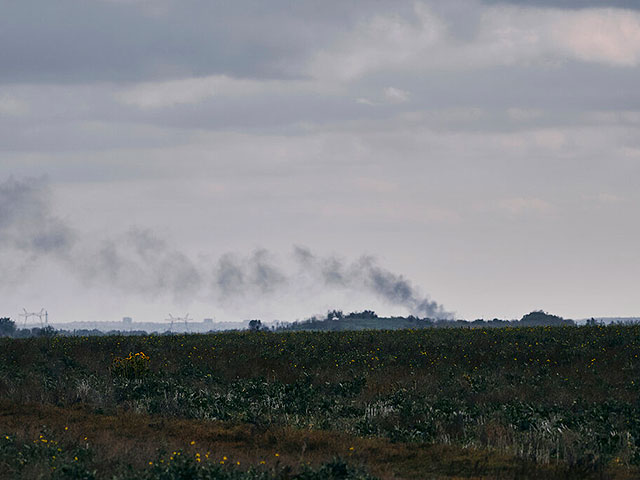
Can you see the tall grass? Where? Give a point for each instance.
(547, 395)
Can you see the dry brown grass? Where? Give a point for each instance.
(135, 439)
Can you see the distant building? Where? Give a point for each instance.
(127, 320)
(208, 321)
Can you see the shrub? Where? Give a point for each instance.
(7, 327)
(136, 365)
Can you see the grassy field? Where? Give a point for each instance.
(407, 404)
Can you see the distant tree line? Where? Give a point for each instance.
(368, 319)
(334, 320)
(8, 329)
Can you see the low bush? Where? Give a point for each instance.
(136, 365)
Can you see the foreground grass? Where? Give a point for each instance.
(78, 443)
(504, 403)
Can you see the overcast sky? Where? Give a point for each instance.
(255, 159)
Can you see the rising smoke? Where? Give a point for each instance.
(140, 262)
(365, 274)
(234, 276)
(26, 220)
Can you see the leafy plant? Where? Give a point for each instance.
(136, 365)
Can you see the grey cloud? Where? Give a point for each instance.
(87, 41)
(492, 90)
(570, 4)
(106, 41)
(495, 111)
(89, 117)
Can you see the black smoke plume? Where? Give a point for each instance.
(366, 274)
(140, 262)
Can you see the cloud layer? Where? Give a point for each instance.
(486, 149)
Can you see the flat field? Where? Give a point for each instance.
(407, 404)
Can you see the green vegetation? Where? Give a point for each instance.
(7, 327)
(527, 402)
(50, 458)
(336, 321)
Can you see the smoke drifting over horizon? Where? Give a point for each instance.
(26, 220)
(139, 262)
(365, 274)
